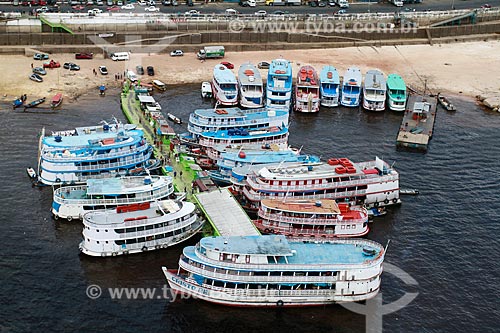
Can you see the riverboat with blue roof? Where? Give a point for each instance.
(263, 271)
(351, 87)
(279, 85)
(73, 156)
(224, 86)
(71, 202)
(329, 86)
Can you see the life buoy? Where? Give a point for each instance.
(266, 230)
(125, 252)
(395, 200)
(58, 180)
(386, 201)
(157, 247)
(55, 216)
(103, 254)
(280, 303)
(114, 254)
(69, 218)
(144, 248)
(164, 246)
(375, 204)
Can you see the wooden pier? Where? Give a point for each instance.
(418, 123)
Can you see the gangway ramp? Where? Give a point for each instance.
(225, 214)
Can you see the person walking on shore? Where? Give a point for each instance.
(31, 65)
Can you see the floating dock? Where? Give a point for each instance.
(225, 214)
(418, 123)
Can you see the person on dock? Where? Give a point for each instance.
(175, 174)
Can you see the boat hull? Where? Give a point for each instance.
(265, 298)
(371, 105)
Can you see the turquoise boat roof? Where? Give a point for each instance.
(323, 76)
(297, 252)
(92, 139)
(280, 67)
(353, 77)
(223, 74)
(262, 157)
(395, 82)
(251, 114)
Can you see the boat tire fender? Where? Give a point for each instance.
(125, 252)
(144, 248)
(386, 201)
(55, 216)
(280, 303)
(157, 247)
(267, 230)
(164, 246)
(69, 218)
(395, 200)
(58, 180)
(375, 204)
(114, 254)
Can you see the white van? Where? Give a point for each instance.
(120, 56)
(251, 3)
(131, 76)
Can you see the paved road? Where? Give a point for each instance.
(354, 8)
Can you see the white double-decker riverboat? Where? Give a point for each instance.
(73, 156)
(71, 202)
(274, 271)
(372, 183)
(138, 227)
(311, 218)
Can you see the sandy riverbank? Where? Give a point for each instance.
(470, 69)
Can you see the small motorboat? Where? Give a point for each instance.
(159, 85)
(31, 173)
(174, 118)
(206, 90)
(376, 212)
(35, 103)
(56, 101)
(409, 192)
(19, 101)
(445, 103)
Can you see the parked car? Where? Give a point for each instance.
(152, 3)
(166, 2)
(43, 9)
(486, 6)
(261, 13)
(192, 12)
(244, 3)
(113, 9)
(109, 3)
(99, 3)
(119, 3)
(152, 9)
(231, 11)
(40, 56)
(175, 3)
(142, 3)
(263, 65)
(39, 71)
(84, 56)
(35, 77)
(151, 70)
(176, 53)
(128, 6)
(71, 66)
(322, 4)
(94, 11)
(227, 64)
(139, 69)
(51, 64)
(103, 70)
(331, 3)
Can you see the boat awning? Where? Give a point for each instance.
(146, 99)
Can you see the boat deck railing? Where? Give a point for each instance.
(309, 220)
(123, 162)
(139, 197)
(256, 196)
(211, 142)
(58, 157)
(192, 221)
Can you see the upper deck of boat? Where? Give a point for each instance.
(266, 156)
(156, 209)
(375, 80)
(248, 74)
(246, 134)
(280, 67)
(307, 77)
(223, 75)
(326, 77)
(238, 114)
(324, 206)
(396, 82)
(353, 77)
(124, 185)
(95, 136)
(335, 252)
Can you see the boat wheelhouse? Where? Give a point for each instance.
(71, 202)
(307, 90)
(274, 271)
(396, 93)
(279, 85)
(73, 156)
(251, 86)
(138, 227)
(374, 91)
(329, 86)
(224, 86)
(373, 183)
(351, 87)
(230, 160)
(212, 120)
(323, 218)
(206, 90)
